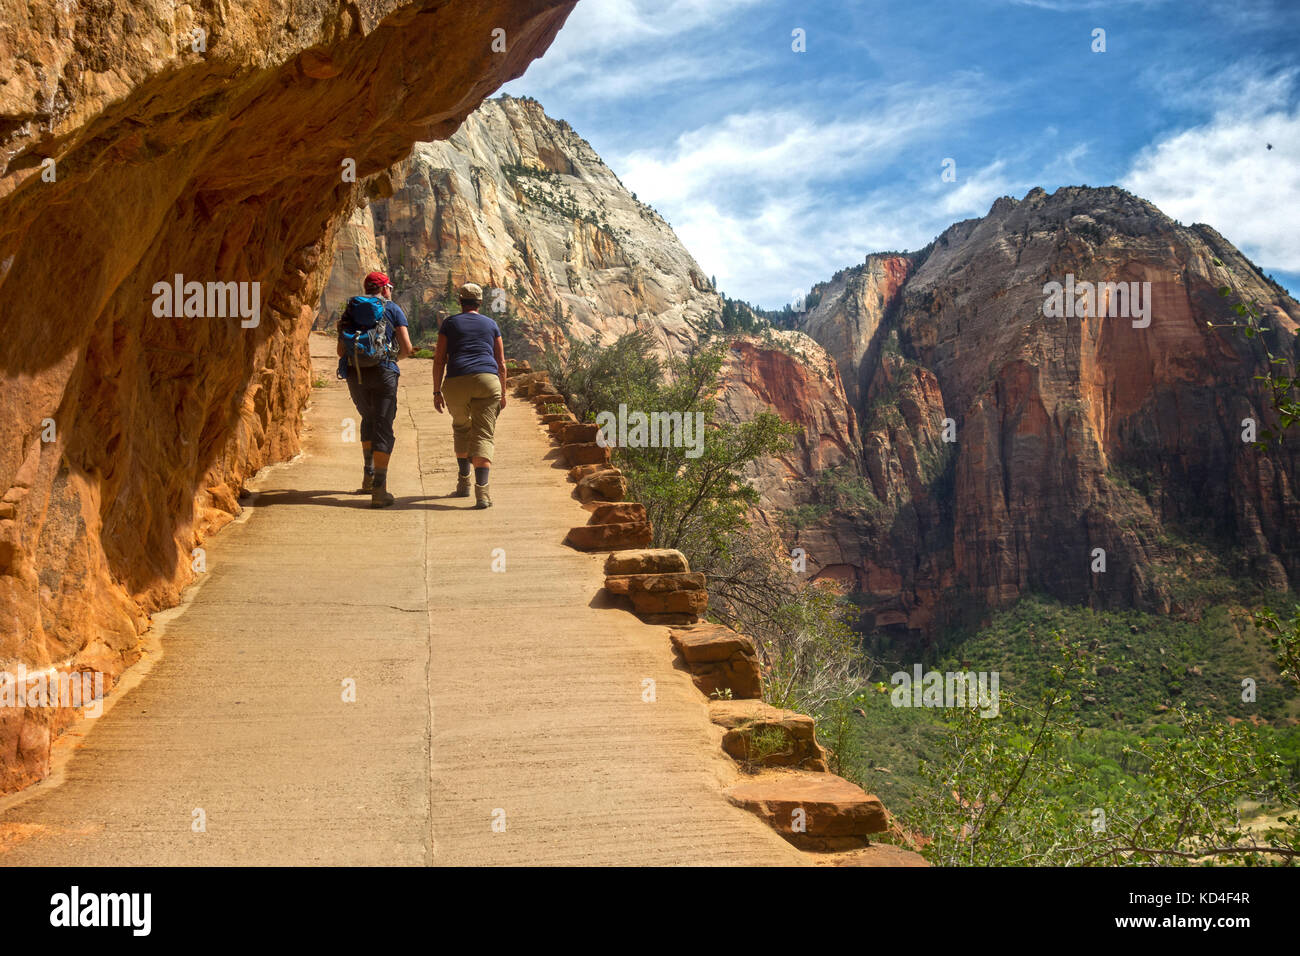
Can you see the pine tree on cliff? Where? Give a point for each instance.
(449, 301)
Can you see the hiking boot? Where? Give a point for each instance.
(381, 498)
(368, 481)
(462, 487)
(481, 499)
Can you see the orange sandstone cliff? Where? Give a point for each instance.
(145, 141)
(1068, 434)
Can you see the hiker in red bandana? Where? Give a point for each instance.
(372, 337)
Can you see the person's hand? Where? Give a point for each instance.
(438, 403)
(503, 401)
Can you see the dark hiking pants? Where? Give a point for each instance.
(375, 397)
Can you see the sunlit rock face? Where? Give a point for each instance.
(145, 141)
(959, 447)
(1071, 432)
(518, 202)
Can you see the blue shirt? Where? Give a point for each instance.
(471, 344)
(393, 312)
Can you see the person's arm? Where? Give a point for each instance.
(404, 347)
(401, 334)
(439, 365)
(500, 349)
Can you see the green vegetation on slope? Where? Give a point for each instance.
(1143, 663)
(1151, 702)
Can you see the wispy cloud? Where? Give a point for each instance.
(772, 199)
(1224, 172)
(611, 49)
(777, 168)
(621, 78)
(607, 26)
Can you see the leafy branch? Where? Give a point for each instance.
(1283, 387)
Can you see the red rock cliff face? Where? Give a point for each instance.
(801, 384)
(127, 435)
(1071, 434)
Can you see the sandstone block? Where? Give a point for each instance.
(649, 561)
(677, 593)
(579, 472)
(757, 732)
(670, 620)
(540, 386)
(603, 486)
(692, 602)
(719, 659)
(878, 854)
(710, 643)
(620, 511)
(655, 583)
(585, 454)
(522, 381)
(581, 433)
(835, 814)
(609, 537)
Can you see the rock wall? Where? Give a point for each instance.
(1053, 419)
(518, 201)
(1071, 433)
(211, 141)
(796, 378)
(852, 309)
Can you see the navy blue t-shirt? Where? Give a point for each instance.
(395, 316)
(471, 344)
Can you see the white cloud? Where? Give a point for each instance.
(605, 26)
(624, 78)
(972, 195)
(789, 147)
(776, 199)
(614, 48)
(1223, 173)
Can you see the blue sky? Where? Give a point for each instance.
(778, 168)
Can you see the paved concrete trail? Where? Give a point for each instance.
(481, 696)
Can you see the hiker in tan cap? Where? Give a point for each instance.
(471, 352)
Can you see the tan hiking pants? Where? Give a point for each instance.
(473, 401)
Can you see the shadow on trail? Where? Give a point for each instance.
(605, 599)
(349, 499)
